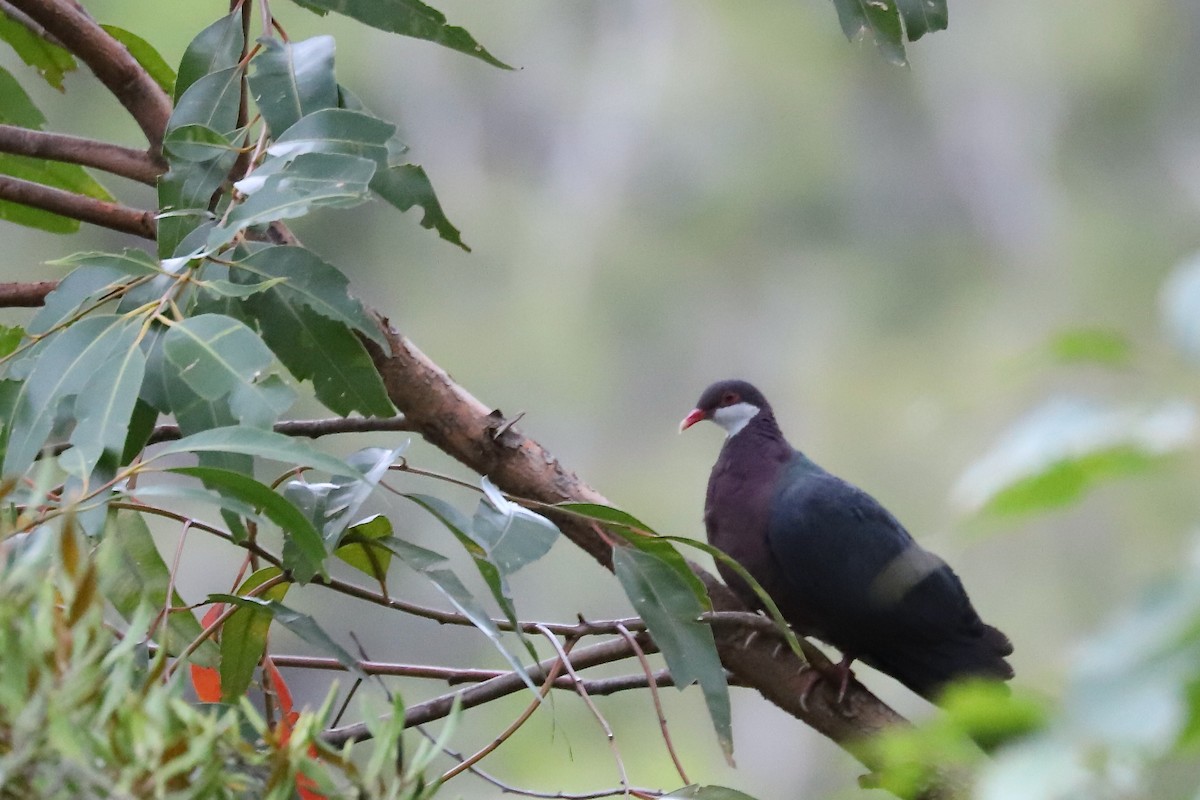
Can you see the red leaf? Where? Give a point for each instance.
(206, 680)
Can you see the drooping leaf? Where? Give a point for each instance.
(1060, 451)
(212, 102)
(304, 551)
(244, 635)
(104, 406)
(217, 47)
(133, 574)
(602, 513)
(258, 443)
(333, 505)
(50, 60)
(875, 21)
(184, 194)
(511, 535)
(312, 282)
(144, 53)
(407, 18)
(219, 357)
(309, 181)
(407, 185)
(361, 550)
(922, 17)
(292, 79)
(62, 364)
(659, 585)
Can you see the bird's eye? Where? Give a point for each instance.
(729, 398)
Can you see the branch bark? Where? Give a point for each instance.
(123, 161)
(76, 206)
(108, 59)
(25, 295)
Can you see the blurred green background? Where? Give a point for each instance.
(667, 193)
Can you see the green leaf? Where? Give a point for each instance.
(603, 513)
(331, 506)
(244, 634)
(877, 21)
(302, 625)
(305, 556)
(197, 143)
(361, 550)
(512, 536)
(311, 282)
(258, 443)
(407, 18)
(95, 275)
(293, 79)
(50, 60)
(62, 365)
(16, 107)
(212, 102)
(10, 337)
(184, 194)
(144, 53)
(218, 356)
(133, 574)
(104, 406)
(217, 47)
(698, 792)
(1095, 345)
(658, 583)
(336, 130)
(310, 180)
(922, 17)
(407, 185)
(434, 567)
(1060, 451)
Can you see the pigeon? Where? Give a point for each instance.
(838, 565)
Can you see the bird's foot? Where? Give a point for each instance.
(840, 674)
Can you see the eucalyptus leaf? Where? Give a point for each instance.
(244, 635)
(407, 185)
(104, 406)
(292, 79)
(336, 130)
(144, 53)
(258, 443)
(875, 22)
(195, 142)
(217, 47)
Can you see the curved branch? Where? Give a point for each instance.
(123, 161)
(25, 295)
(108, 60)
(77, 206)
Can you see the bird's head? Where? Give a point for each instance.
(731, 404)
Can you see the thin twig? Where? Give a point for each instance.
(311, 428)
(76, 206)
(491, 746)
(658, 709)
(581, 690)
(123, 161)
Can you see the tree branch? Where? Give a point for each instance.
(25, 295)
(77, 206)
(108, 60)
(310, 428)
(123, 161)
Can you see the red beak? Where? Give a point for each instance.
(691, 419)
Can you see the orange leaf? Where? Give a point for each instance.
(206, 680)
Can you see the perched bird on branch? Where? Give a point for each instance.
(838, 565)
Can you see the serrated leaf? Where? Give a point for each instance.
(144, 53)
(876, 21)
(311, 180)
(217, 47)
(407, 185)
(434, 567)
(304, 550)
(1057, 453)
(407, 18)
(311, 282)
(16, 107)
(244, 634)
(258, 443)
(61, 366)
(219, 357)
(292, 79)
(133, 574)
(658, 583)
(50, 60)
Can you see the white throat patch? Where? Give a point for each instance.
(735, 417)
